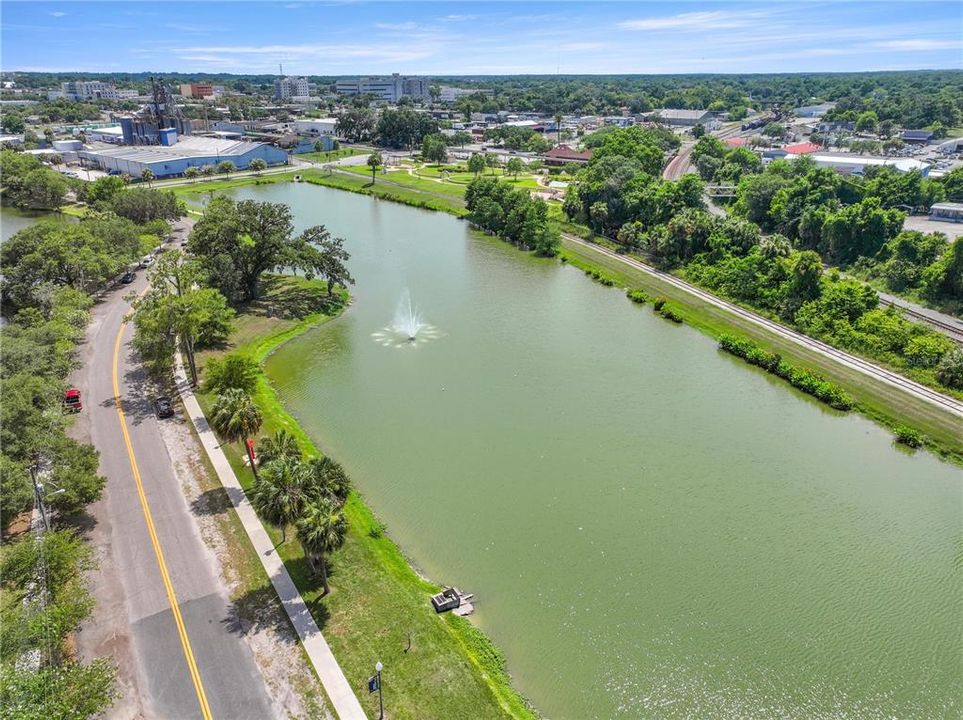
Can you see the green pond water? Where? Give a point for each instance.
(13, 220)
(652, 529)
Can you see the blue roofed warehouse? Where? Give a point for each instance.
(173, 160)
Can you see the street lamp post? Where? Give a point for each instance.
(381, 697)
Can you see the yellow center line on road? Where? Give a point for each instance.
(165, 576)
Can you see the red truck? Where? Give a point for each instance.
(72, 402)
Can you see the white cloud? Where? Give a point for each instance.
(57, 14)
(459, 18)
(714, 20)
(919, 45)
(397, 26)
(387, 53)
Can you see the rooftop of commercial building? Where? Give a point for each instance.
(679, 114)
(901, 164)
(186, 147)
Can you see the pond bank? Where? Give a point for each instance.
(379, 609)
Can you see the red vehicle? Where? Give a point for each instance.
(72, 401)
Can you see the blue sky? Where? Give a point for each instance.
(428, 38)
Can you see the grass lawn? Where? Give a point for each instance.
(396, 187)
(323, 157)
(378, 603)
(190, 191)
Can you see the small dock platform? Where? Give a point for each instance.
(453, 599)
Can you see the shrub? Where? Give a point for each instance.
(636, 296)
(658, 303)
(799, 378)
(908, 436)
(927, 350)
(950, 370)
(670, 314)
(607, 281)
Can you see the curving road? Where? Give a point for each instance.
(893, 379)
(161, 612)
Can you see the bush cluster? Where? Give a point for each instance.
(908, 436)
(800, 378)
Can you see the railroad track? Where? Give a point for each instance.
(955, 332)
(893, 379)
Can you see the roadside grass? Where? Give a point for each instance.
(254, 597)
(378, 602)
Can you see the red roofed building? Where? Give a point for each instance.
(563, 154)
(736, 142)
(802, 148)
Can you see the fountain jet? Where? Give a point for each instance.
(407, 320)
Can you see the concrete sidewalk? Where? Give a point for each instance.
(343, 699)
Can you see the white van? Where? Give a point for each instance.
(147, 261)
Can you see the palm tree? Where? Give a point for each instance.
(279, 495)
(374, 162)
(318, 147)
(321, 530)
(280, 445)
(147, 175)
(191, 173)
(226, 167)
(558, 126)
(257, 165)
(208, 171)
(235, 416)
(328, 478)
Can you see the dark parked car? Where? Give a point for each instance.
(127, 278)
(163, 407)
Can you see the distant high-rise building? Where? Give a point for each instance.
(83, 90)
(289, 87)
(197, 90)
(388, 88)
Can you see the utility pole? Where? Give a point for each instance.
(39, 495)
(38, 498)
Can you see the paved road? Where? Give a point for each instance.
(167, 623)
(893, 379)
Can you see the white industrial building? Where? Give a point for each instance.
(813, 111)
(857, 164)
(315, 126)
(289, 87)
(682, 118)
(947, 212)
(450, 94)
(390, 89)
(86, 90)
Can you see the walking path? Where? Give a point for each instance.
(343, 699)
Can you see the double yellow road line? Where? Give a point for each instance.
(158, 552)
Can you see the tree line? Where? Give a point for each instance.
(809, 213)
(191, 306)
(513, 214)
(49, 272)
